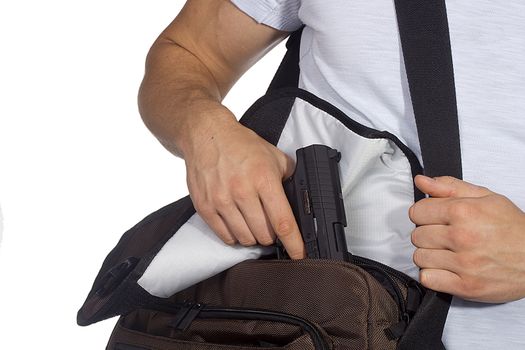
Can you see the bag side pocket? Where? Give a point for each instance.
(216, 329)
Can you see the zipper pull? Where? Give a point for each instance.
(185, 316)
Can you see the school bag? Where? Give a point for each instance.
(176, 286)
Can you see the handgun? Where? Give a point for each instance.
(314, 193)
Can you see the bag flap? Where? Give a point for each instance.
(114, 290)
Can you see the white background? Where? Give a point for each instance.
(77, 166)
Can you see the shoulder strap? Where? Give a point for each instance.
(287, 74)
(425, 40)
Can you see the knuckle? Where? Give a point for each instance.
(415, 209)
(235, 181)
(197, 198)
(498, 200)
(224, 235)
(222, 199)
(263, 237)
(204, 209)
(417, 257)
(241, 193)
(463, 262)
(447, 179)
(266, 241)
(468, 263)
(411, 212)
(238, 186)
(247, 241)
(284, 227)
(461, 210)
(228, 240)
(472, 288)
(484, 189)
(414, 237)
(263, 180)
(462, 238)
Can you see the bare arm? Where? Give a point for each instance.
(234, 176)
(193, 64)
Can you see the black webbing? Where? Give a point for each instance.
(425, 39)
(287, 74)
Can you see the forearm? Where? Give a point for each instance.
(191, 67)
(180, 99)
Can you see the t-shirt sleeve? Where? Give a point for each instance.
(279, 14)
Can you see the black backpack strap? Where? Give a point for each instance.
(287, 74)
(425, 40)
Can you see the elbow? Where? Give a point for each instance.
(146, 93)
(142, 100)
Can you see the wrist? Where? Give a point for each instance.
(203, 124)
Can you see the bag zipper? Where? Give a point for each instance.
(414, 292)
(367, 264)
(406, 280)
(186, 312)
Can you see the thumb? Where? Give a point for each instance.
(448, 186)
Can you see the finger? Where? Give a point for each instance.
(282, 219)
(442, 281)
(219, 227)
(430, 211)
(436, 259)
(432, 237)
(236, 224)
(256, 219)
(448, 186)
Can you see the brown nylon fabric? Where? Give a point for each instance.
(122, 335)
(349, 306)
(213, 330)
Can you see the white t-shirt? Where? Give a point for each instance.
(351, 57)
